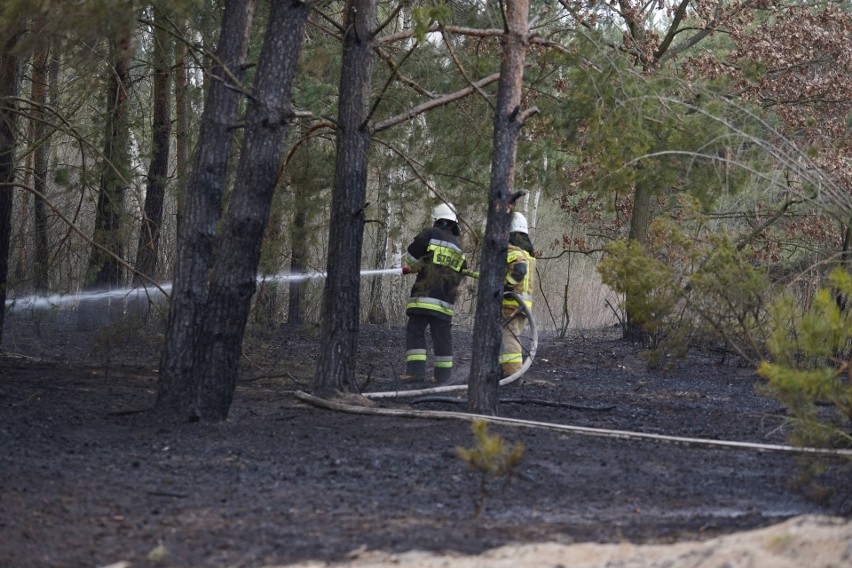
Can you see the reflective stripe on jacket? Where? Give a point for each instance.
(523, 286)
(436, 257)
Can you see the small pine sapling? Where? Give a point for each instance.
(491, 459)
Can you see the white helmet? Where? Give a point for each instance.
(519, 224)
(444, 211)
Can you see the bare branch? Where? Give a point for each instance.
(459, 30)
(435, 103)
(744, 241)
(389, 19)
(448, 42)
(387, 84)
(399, 77)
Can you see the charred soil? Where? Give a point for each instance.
(88, 477)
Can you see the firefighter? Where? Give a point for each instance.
(519, 279)
(436, 257)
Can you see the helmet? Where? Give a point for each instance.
(519, 224)
(444, 211)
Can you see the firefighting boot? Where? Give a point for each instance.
(443, 376)
(415, 371)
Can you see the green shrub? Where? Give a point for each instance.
(811, 364)
(687, 290)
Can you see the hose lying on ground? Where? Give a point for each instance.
(513, 400)
(599, 432)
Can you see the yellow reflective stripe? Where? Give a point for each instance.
(512, 303)
(443, 364)
(511, 358)
(415, 355)
(430, 304)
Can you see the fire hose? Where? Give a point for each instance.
(522, 309)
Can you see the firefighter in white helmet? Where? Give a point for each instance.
(436, 257)
(520, 272)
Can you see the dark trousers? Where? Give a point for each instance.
(415, 346)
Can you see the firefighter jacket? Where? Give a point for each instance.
(436, 257)
(520, 272)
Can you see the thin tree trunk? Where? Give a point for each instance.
(233, 281)
(508, 120)
(105, 270)
(340, 308)
(8, 112)
(378, 306)
(298, 257)
(182, 111)
(640, 223)
(298, 240)
(148, 248)
(205, 188)
(40, 163)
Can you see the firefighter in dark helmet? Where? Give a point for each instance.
(436, 257)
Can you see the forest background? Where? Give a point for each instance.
(685, 168)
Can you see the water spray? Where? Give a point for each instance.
(147, 292)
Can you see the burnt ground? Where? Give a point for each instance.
(86, 479)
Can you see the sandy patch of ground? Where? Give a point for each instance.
(806, 541)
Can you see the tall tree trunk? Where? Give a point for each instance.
(234, 277)
(640, 224)
(105, 269)
(182, 111)
(41, 135)
(147, 251)
(508, 120)
(339, 316)
(298, 239)
(8, 112)
(378, 305)
(298, 257)
(204, 192)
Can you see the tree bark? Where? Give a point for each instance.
(105, 271)
(8, 112)
(508, 120)
(41, 135)
(339, 319)
(205, 188)
(298, 257)
(378, 306)
(640, 224)
(147, 251)
(234, 277)
(182, 111)
(298, 240)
